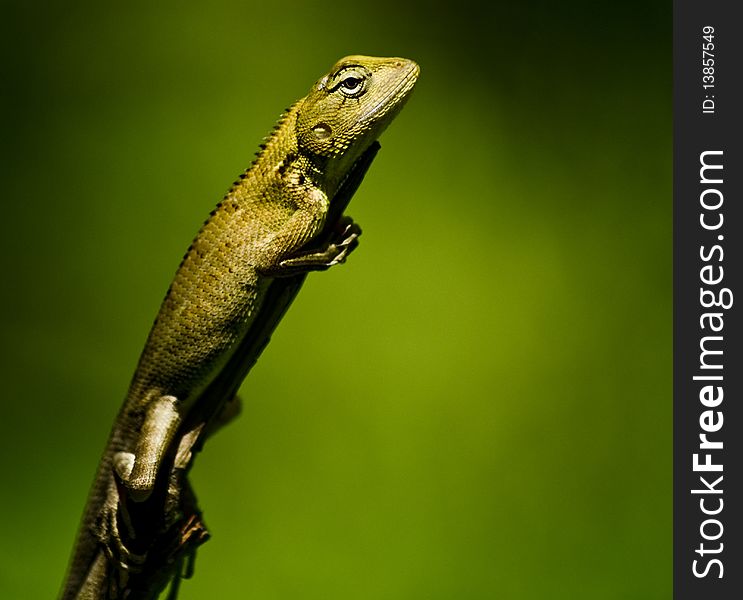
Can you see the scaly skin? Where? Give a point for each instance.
(263, 229)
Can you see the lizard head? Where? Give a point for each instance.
(347, 109)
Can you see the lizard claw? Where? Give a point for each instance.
(348, 234)
(346, 227)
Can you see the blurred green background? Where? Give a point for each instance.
(477, 405)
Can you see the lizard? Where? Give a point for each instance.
(279, 221)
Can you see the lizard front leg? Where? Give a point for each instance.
(344, 239)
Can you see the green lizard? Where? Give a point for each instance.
(282, 219)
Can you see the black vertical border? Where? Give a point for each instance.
(695, 132)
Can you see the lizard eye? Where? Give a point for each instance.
(352, 86)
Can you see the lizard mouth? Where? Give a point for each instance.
(396, 97)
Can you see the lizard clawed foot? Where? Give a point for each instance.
(106, 529)
(345, 238)
(344, 241)
(347, 233)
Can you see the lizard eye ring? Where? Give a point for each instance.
(352, 85)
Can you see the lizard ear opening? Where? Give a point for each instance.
(322, 131)
(316, 133)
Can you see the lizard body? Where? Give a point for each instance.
(269, 228)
